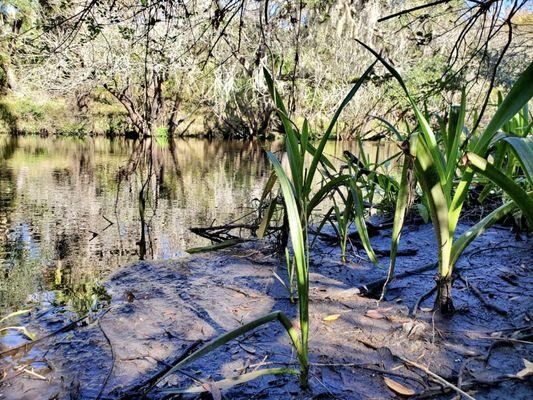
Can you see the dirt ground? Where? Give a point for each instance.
(159, 310)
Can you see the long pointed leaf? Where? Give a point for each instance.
(434, 192)
(330, 185)
(299, 248)
(462, 242)
(402, 201)
(230, 382)
(521, 198)
(523, 149)
(228, 336)
(429, 136)
(359, 219)
(454, 137)
(263, 226)
(518, 96)
(323, 141)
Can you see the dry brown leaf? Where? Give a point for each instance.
(398, 387)
(332, 317)
(374, 314)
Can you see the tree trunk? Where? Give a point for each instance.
(8, 80)
(444, 300)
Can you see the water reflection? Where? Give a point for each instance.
(72, 210)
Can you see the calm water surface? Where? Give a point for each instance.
(73, 210)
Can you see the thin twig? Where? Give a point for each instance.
(438, 378)
(421, 299)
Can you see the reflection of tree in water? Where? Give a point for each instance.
(150, 177)
(63, 194)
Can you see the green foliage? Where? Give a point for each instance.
(21, 115)
(435, 166)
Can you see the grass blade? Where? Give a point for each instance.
(230, 382)
(359, 220)
(330, 185)
(521, 198)
(454, 138)
(402, 202)
(274, 92)
(226, 337)
(516, 99)
(434, 193)
(268, 187)
(523, 149)
(462, 242)
(391, 128)
(323, 141)
(429, 136)
(266, 219)
(14, 314)
(299, 250)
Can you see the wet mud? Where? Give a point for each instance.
(161, 310)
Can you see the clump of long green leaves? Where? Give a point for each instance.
(303, 178)
(298, 201)
(445, 170)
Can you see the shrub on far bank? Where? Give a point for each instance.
(24, 115)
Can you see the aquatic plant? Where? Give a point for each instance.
(303, 179)
(298, 201)
(445, 169)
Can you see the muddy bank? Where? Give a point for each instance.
(159, 310)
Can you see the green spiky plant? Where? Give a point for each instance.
(303, 179)
(299, 200)
(511, 151)
(445, 171)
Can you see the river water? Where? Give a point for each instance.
(73, 210)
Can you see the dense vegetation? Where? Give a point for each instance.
(169, 67)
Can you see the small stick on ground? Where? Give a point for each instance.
(113, 358)
(438, 378)
(140, 389)
(423, 368)
(65, 328)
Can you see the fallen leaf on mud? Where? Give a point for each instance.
(332, 317)
(374, 314)
(398, 387)
(414, 328)
(527, 371)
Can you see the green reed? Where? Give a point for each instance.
(444, 166)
